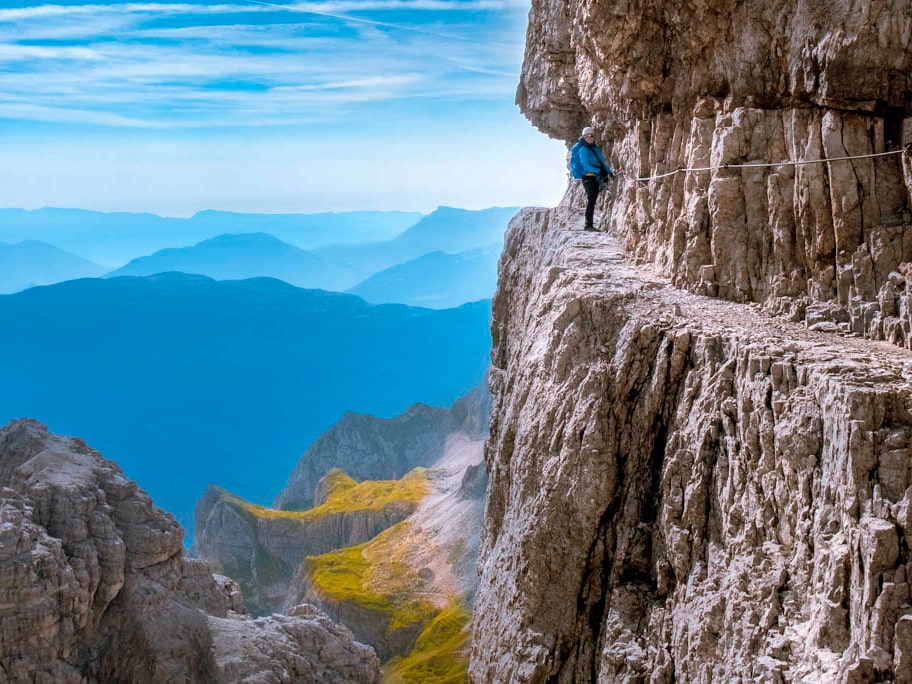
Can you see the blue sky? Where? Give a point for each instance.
(173, 107)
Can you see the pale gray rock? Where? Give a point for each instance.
(439, 545)
(95, 586)
(212, 593)
(474, 482)
(305, 630)
(371, 627)
(684, 488)
(263, 554)
(690, 84)
(369, 448)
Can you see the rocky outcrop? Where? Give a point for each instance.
(369, 448)
(683, 488)
(474, 483)
(261, 548)
(95, 586)
(774, 85)
(305, 631)
(472, 413)
(395, 591)
(366, 448)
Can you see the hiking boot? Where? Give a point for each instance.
(589, 226)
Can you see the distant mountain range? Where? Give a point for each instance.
(464, 269)
(446, 230)
(115, 238)
(184, 380)
(235, 257)
(33, 262)
(437, 280)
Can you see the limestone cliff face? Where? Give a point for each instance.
(683, 488)
(397, 559)
(410, 573)
(262, 552)
(263, 549)
(369, 448)
(688, 84)
(95, 586)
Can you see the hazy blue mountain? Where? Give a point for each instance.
(446, 230)
(115, 238)
(437, 280)
(184, 380)
(235, 257)
(33, 262)
(458, 230)
(310, 231)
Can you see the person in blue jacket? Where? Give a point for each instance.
(595, 171)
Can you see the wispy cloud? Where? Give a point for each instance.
(12, 53)
(51, 10)
(247, 63)
(71, 115)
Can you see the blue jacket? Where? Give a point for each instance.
(592, 159)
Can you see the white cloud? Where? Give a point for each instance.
(67, 115)
(235, 74)
(370, 82)
(52, 11)
(25, 52)
(238, 106)
(424, 5)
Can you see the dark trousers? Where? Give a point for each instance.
(591, 184)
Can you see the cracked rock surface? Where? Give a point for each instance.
(690, 84)
(684, 488)
(95, 586)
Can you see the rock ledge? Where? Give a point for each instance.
(683, 488)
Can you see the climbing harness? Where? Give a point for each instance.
(760, 165)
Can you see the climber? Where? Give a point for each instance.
(588, 164)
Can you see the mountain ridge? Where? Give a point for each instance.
(391, 552)
(240, 256)
(446, 229)
(149, 367)
(436, 279)
(113, 238)
(35, 262)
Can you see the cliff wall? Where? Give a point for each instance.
(407, 591)
(684, 488)
(689, 84)
(95, 586)
(369, 448)
(261, 547)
